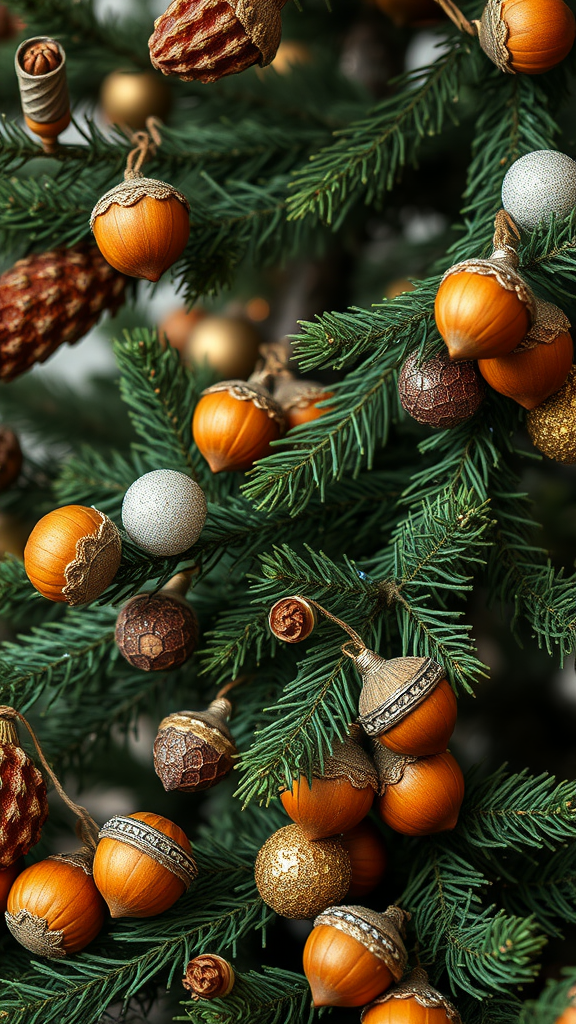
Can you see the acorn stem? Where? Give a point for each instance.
(455, 15)
(179, 585)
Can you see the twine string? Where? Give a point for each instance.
(86, 827)
(455, 15)
(355, 637)
(145, 145)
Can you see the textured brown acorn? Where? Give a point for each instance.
(234, 423)
(50, 298)
(10, 458)
(208, 977)
(419, 795)
(292, 619)
(438, 392)
(194, 750)
(23, 801)
(54, 908)
(204, 40)
(298, 877)
(413, 1001)
(353, 954)
(155, 632)
(341, 794)
(368, 858)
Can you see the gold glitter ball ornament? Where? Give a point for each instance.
(552, 425)
(299, 878)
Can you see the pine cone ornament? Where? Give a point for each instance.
(23, 801)
(204, 40)
(52, 297)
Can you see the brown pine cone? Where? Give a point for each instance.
(440, 393)
(156, 631)
(204, 40)
(50, 298)
(23, 801)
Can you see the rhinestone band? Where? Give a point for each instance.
(153, 843)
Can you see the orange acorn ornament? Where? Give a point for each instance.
(299, 400)
(341, 793)
(23, 800)
(143, 864)
(235, 422)
(413, 1001)
(73, 554)
(353, 954)
(54, 908)
(368, 858)
(419, 795)
(484, 308)
(526, 37)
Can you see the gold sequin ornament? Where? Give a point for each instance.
(299, 878)
(552, 425)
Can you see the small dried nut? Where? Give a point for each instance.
(41, 58)
(208, 977)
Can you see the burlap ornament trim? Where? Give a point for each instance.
(153, 843)
(381, 934)
(246, 391)
(549, 323)
(262, 23)
(131, 191)
(94, 553)
(393, 689)
(349, 761)
(34, 934)
(390, 766)
(493, 36)
(416, 986)
(83, 859)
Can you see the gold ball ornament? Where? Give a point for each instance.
(178, 325)
(299, 878)
(129, 98)
(229, 344)
(552, 425)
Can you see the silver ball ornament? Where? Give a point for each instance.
(538, 185)
(164, 512)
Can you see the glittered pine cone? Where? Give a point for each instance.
(23, 801)
(155, 632)
(50, 298)
(204, 40)
(194, 750)
(208, 977)
(438, 392)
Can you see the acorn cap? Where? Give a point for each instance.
(493, 36)
(381, 934)
(392, 689)
(131, 191)
(153, 843)
(210, 725)
(250, 391)
(95, 563)
(390, 765)
(548, 324)
(194, 750)
(348, 760)
(416, 986)
(291, 393)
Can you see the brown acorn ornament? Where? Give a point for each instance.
(419, 795)
(208, 977)
(413, 1001)
(438, 392)
(155, 632)
(143, 864)
(341, 793)
(54, 908)
(484, 308)
(296, 877)
(292, 619)
(353, 954)
(10, 458)
(299, 400)
(23, 801)
(234, 423)
(73, 554)
(368, 858)
(204, 40)
(194, 750)
(552, 425)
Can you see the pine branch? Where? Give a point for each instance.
(553, 1001)
(271, 997)
(544, 889)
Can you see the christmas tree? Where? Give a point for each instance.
(292, 580)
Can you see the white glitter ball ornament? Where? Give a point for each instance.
(164, 512)
(538, 185)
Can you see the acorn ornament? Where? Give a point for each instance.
(341, 792)
(194, 750)
(413, 1001)
(205, 40)
(440, 393)
(235, 422)
(292, 619)
(164, 512)
(300, 400)
(10, 458)
(484, 308)
(54, 908)
(353, 954)
(142, 865)
(155, 632)
(298, 878)
(552, 425)
(368, 858)
(228, 344)
(538, 186)
(40, 65)
(208, 977)
(73, 554)
(420, 796)
(23, 800)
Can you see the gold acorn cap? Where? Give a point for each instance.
(250, 391)
(416, 986)
(390, 766)
(392, 689)
(350, 761)
(381, 934)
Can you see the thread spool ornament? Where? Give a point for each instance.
(40, 65)
(353, 954)
(368, 858)
(142, 865)
(538, 186)
(228, 344)
(164, 512)
(420, 796)
(51, 298)
(195, 750)
(10, 458)
(413, 1001)
(73, 554)
(23, 800)
(234, 424)
(156, 632)
(298, 877)
(204, 40)
(141, 226)
(341, 792)
(552, 425)
(129, 98)
(440, 393)
(292, 619)
(208, 977)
